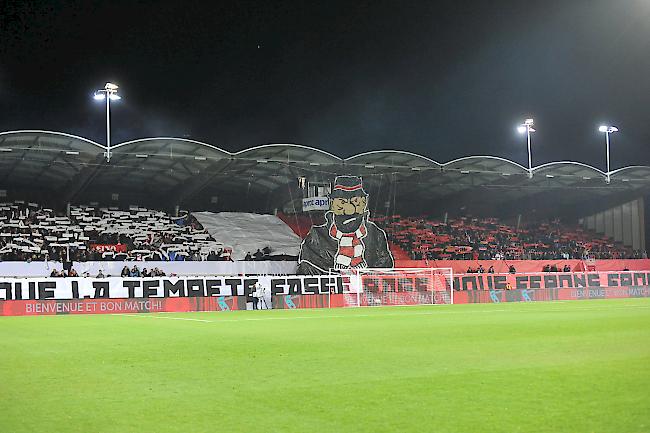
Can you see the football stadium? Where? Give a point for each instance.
(168, 285)
(337, 217)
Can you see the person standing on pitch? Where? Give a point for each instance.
(257, 294)
(263, 291)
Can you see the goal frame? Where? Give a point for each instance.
(357, 274)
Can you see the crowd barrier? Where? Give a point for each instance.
(44, 296)
(44, 269)
(529, 266)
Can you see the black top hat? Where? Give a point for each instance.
(347, 186)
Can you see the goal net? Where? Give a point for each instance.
(397, 286)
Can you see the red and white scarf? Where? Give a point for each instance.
(350, 248)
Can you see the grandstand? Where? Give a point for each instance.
(32, 233)
(490, 239)
(472, 208)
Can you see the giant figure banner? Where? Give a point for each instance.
(348, 239)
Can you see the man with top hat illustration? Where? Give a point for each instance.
(348, 239)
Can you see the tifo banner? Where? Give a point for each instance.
(348, 239)
(315, 203)
(248, 232)
(553, 280)
(37, 296)
(102, 248)
(167, 287)
(495, 288)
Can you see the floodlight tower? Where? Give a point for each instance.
(109, 93)
(607, 130)
(527, 127)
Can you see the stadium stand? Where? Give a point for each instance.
(252, 236)
(468, 238)
(29, 232)
(271, 178)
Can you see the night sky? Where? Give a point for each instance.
(444, 79)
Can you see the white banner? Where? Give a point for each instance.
(166, 287)
(315, 203)
(248, 232)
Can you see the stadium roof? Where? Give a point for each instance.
(179, 171)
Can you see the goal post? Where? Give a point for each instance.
(397, 286)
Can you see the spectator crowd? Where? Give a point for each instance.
(126, 272)
(29, 232)
(468, 238)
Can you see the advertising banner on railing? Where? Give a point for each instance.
(289, 302)
(530, 295)
(122, 306)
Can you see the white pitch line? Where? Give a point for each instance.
(556, 310)
(340, 316)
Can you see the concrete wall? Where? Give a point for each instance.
(625, 223)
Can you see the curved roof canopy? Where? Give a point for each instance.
(392, 159)
(44, 157)
(175, 170)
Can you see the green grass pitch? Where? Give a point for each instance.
(580, 366)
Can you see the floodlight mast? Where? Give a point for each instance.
(527, 127)
(109, 92)
(607, 130)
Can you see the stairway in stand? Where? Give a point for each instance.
(398, 253)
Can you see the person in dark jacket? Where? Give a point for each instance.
(348, 239)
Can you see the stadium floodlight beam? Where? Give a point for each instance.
(527, 127)
(108, 93)
(607, 130)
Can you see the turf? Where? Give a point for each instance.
(559, 367)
